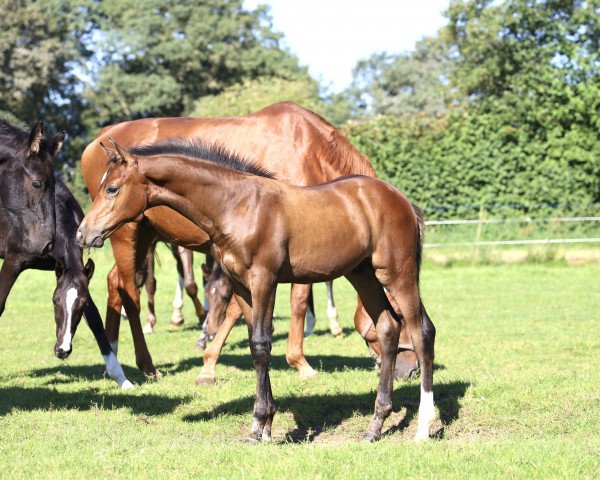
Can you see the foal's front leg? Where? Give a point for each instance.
(263, 291)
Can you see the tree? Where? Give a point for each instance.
(157, 57)
(401, 84)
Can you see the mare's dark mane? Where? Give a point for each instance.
(196, 148)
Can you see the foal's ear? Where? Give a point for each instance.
(109, 153)
(89, 269)
(35, 137)
(57, 143)
(205, 272)
(59, 268)
(126, 158)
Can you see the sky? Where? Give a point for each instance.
(330, 36)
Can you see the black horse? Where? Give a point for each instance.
(71, 296)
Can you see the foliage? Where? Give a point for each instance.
(401, 84)
(526, 129)
(251, 95)
(157, 57)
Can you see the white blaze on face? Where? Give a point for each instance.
(70, 301)
(103, 177)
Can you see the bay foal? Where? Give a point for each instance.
(264, 232)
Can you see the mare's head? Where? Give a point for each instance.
(70, 300)
(218, 292)
(27, 184)
(122, 198)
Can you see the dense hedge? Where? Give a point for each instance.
(466, 160)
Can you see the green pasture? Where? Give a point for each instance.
(517, 388)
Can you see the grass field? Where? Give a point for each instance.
(517, 387)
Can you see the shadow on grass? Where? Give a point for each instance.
(48, 398)
(316, 413)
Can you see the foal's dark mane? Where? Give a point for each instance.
(196, 148)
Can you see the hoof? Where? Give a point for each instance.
(201, 344)
(152, 373)
(336, 330)
(251, 440)
(370, 437)
(173, 324)
(127, 385)
(422, 435)
(205, 380)
(148, 329)
(307, 373)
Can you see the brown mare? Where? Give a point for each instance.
(264, 232)
(294, 143)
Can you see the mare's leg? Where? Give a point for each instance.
(263, 290)
(11, 269)
(212, 353)
(187, 260)
(129, 251)
(405, 291)
(334, 326)
(177, 315)
(406, 360)
(295, 354)
(150, 285)
(387, 326)
(113, 367)
(311, 317)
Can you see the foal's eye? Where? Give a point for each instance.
(112, 190)
(36, 184)
(55, 301)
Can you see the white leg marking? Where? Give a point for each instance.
(70, 301)
(115, 371)
(426, 415)
(177, 316)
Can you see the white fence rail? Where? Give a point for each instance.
(525, 220)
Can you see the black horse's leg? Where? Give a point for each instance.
(334, 326)
(11, 269)
(263, 301)
(113, 367)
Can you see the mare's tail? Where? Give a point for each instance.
(420, 236)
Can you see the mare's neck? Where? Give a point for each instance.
(197, 189)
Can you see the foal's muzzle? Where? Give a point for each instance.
(62, 354)
(93, 240)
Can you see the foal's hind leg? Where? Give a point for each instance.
(405, 291)
(150, 285)
(295, 353)
(387, 326)
(187, 260)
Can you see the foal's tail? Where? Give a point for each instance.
(420, 237)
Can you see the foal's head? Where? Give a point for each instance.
(27, 184)
(70, 300)
(122, 198)
(218, 292)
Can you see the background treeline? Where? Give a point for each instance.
(500, 107)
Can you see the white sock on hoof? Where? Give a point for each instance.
(115, 371)
(426, 415)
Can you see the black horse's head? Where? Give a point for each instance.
(27, 184)
(70, 300)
